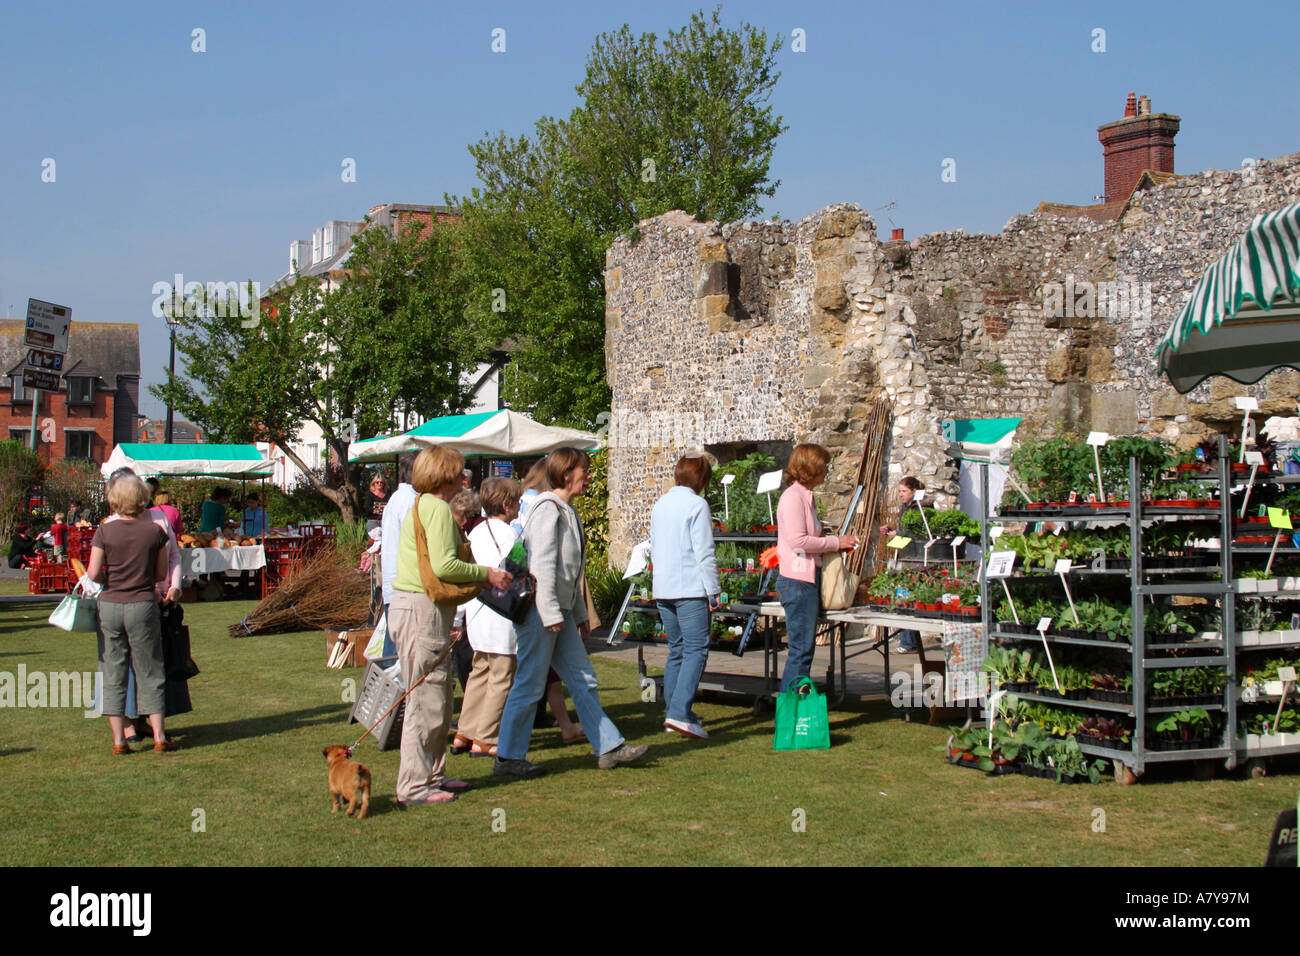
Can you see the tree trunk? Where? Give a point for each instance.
(347, 499)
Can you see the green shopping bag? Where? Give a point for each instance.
(801, 721)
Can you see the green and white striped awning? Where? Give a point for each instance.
(188, 459)
(480, 434)
(1245, 308)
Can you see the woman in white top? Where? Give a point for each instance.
(490, 635)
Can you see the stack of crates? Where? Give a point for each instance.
(52, 578)
(284, 558)
(317, 538)
(79, 543)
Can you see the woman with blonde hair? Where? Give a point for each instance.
(130, 554)
(422, 628)
(800, 546)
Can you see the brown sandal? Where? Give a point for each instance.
(121, 750)
(460, 745)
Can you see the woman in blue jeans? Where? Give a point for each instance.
(800, 546)
(685, 586)
(552, 634)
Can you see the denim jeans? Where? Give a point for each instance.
(801, 601)
(909, 640)
(540, 649)
(686, 623)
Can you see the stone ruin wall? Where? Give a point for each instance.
(755, 332)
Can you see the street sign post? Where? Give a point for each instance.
(38, 378)
(47, 325)
(46, 361)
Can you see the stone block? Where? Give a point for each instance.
(830, 297)
(712, 249)
(711, 279)
(1115, 412)
(840, 222)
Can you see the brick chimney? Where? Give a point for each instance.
(1141, 140)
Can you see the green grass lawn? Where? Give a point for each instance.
(266, 705)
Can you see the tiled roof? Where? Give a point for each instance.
(110, 348)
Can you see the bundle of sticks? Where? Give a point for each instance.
(329, 592)
(864, 524)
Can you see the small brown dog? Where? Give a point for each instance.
(348, 780)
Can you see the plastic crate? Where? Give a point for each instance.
(51, 579)
(375, 697)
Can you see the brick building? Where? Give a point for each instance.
(98, 404)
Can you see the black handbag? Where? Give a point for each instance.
(177, 662)
(511, 602)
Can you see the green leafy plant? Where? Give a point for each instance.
(748, 509)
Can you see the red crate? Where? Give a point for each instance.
(51, 579)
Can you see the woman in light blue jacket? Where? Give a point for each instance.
(685, 586)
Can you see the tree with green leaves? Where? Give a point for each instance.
(387, 341)
(20, 472)
(682, 123)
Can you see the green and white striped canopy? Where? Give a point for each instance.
(1245, 308)
(481, 434)
(188, 459)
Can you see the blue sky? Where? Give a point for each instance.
(208, 164)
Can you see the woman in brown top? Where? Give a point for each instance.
(131, 556)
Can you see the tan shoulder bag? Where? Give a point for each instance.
(435, 589)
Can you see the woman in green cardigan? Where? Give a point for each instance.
(422, 629)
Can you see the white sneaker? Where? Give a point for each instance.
(687, 728)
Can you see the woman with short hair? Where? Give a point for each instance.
(800, 546)
(553, 632)
(422, 628)
(685, 586)
(491, 635)
(130, 553)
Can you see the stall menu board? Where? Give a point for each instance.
(503, 469)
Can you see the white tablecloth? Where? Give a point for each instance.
(197, 561)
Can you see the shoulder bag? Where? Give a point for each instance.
(435, 589)
(839, 584)
(514, 601)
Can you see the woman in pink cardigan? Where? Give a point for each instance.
(800, 545)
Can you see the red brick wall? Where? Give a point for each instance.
(54, 405)
(1132, 146)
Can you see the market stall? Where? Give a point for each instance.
(208, 556)
(503, 433)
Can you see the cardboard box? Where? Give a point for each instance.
(356, 640)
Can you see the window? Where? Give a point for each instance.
(79, 443)
(19, 393)
(23, 435)
(81, 391)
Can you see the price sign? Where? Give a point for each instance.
(1043, 624)
(1001, 563)
(769, 482)
(958, 541)
(995, 531)
(918, 495)
(1062, 566)
(1286, 673)
(898, 541)
(1278, 518)
(1247, 404)
(1098, 438)
(1254, 458)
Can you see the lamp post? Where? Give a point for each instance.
(173, 323)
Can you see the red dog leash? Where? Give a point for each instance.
(436, 664)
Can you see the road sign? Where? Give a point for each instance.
(35, 378)
(47, 325)
(45, 361)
